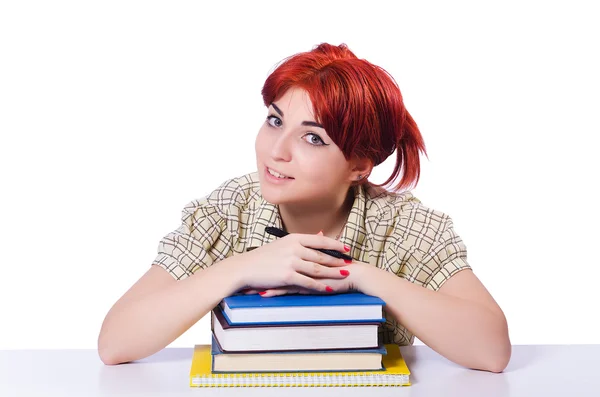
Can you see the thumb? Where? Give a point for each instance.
(269, 293)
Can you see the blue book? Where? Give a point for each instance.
(296, 360)
(353, 307)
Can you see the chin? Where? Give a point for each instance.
(274, 194)
(275, 198)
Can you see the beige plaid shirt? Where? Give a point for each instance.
(392, 231)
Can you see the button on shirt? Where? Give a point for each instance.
(392, 231)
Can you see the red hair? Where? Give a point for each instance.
(359, 105)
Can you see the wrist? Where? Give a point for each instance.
(360, 274)
(231, 272)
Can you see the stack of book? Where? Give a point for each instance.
(298, 340)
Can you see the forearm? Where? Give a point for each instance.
(465, 332)
(141, 327)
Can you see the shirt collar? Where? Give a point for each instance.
(268, 215)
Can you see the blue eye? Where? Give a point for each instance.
(277, 121)
(318, 142)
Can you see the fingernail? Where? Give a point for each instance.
(348, 260)
(344, 272)
(346, 248)
(262, 293)
(329, 289)
(320, 232)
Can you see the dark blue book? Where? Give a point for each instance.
(298, 309)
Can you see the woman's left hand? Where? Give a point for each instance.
(347, 284)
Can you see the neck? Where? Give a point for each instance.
(329, 217)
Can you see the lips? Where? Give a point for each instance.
(280, 173)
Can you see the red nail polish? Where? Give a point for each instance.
(346, 248)
(262, 293)
(329, 289)
(344, 272)
(347, 260)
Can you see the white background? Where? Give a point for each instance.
(115, 114)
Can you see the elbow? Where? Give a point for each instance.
(495, 359)
(107, 353)
(107, 356)
(500, 352)
(499, 363)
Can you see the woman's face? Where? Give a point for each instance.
(293, 144)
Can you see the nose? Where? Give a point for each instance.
(281, 147)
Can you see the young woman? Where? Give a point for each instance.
(331, 118)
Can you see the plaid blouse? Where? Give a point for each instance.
(392, 231)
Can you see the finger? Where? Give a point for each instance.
(309, 283)
(250, 292)
(320, 241)
(337, 284)
(317, 270)
(278, 292)
(305, 291)
(312, 255)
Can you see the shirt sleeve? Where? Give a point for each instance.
(427, 250)
(446, 257)
(201, 240)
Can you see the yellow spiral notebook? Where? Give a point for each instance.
(395, 373)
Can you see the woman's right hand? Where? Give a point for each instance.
(292, 260)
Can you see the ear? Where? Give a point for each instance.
(360, 169)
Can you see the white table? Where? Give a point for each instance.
(544, 370)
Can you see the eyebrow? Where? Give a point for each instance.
(308, 123)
